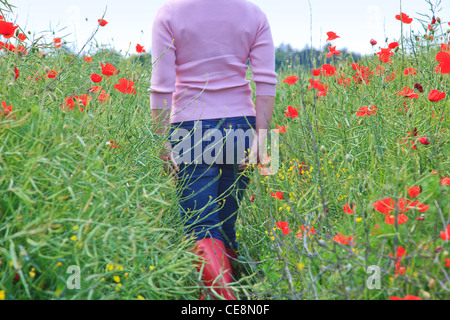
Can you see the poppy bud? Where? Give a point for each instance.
(432, 283)
(373, 42)
(396, 49)
(421, 218)
(322, 243)
(252, 198)
(438, 249)
(426, 295)
(418, 86)
(323, 149)
(438, 20)
(349, 158)
(433, 20)
(11, 75)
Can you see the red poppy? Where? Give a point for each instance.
(404, 205)
(347, 208)
(87, 59)
(424, 140)
(409, 297)
(403, 18)
(84, 99)
(102, 22)
(125, 86)
(283, 225)
(447, 263)
(410, 71)
(291, 112)
(343, 239)
(385, 55)
(95, 89)
(57, 42)
(68, 103)
(413, 192)
(112, 144)
(52, 74)
(291, 80)
(408, 93)
(21, 49)
(103, 96)
(331, 36)
(362, 74)
(108, 69)
(390, 219)
(422, 207)
(140, 49)
(344, 81)
(445, 181)
(366, 111)
(444, 65)
(393, 45)
(436, 95)
(278, 194)
(315, 72)
(384, 206)
(302, 230)
(96, 78)
(333, 51)
(16, 73)
(7, 29)
(5, 110)
(328, 70)
(445, 235)
(281, 129)
(373, 42)
(401, 252)
(445, 47)
(317, 85)
(22, 37)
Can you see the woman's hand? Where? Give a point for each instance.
(255, 153)
(170, 165)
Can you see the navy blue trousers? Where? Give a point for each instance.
(210, 184)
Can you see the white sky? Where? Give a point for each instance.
(130, 21)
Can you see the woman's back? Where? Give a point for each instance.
(206, 45)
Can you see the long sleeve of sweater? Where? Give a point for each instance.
(163, 61)
(262, 60)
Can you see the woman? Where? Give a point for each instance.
(200, 49)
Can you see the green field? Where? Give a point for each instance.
(359, 208)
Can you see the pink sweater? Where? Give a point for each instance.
(199, 51)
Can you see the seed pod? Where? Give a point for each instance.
(425, 294)
(11, 75)
(432, 283)
(322, 243)
(349, 158)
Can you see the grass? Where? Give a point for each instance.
(86, 188)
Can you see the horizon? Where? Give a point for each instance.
(75, 22)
